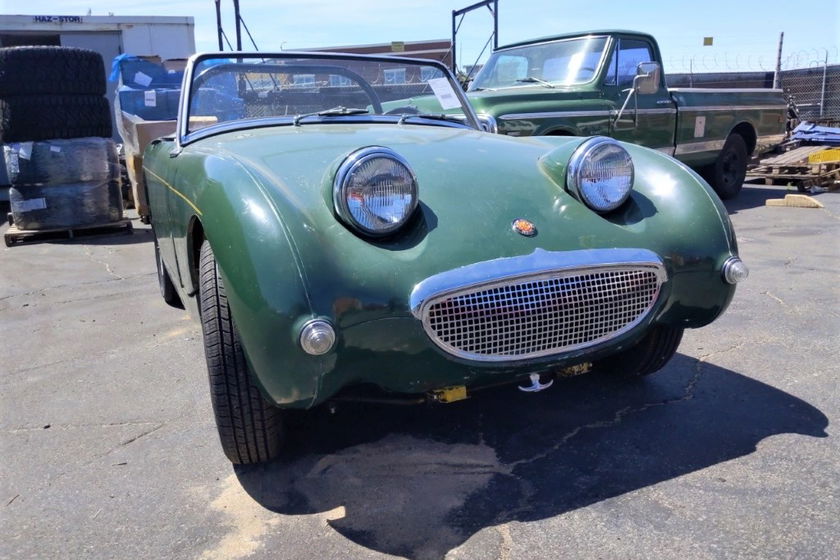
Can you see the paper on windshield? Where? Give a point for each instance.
(444, 93)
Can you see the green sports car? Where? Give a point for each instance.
(338, 242)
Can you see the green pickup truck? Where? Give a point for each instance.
(611, 83)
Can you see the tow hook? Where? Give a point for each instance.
(535, 385)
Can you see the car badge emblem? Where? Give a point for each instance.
(524, 227)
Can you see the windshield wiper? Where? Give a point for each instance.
(433, 117)
(339, 111)
(533, 80)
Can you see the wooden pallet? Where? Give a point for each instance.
(16, 235)
(801, 167)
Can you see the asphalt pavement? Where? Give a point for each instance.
(108, 447)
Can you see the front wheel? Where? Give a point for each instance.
(728, 172)
(649, 355)
(249, 427)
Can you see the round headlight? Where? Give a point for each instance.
(375, 191)
(600, 174)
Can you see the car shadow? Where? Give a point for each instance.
(110, 236)
(419, 481)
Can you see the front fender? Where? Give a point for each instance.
(264, 281)
(684, 209)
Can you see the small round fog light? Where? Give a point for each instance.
(317, 337)
(734, 270)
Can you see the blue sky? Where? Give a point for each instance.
(745, 32)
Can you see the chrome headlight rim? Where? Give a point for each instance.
(353, 162)
(734, 270)
(579, 157)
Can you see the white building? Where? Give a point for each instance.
(163, 36)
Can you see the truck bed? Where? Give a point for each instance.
(712, 113)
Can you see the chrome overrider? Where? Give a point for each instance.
(539, 265)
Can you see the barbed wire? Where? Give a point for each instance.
(739, 61)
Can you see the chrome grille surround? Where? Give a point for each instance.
(538, 305)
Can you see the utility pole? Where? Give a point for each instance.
(238, 25)
(777, 77)
(219, 24)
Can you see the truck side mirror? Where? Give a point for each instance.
(647, 79)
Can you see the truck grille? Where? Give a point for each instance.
(540, 315)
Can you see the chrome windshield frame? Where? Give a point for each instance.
(184, 137)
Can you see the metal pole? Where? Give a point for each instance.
(778, 75)
(822, 93)
(238, 25)
(452, 48)
(495, 25)
(219, 24)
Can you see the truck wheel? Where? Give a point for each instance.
(249, 427)
(727, 173)
(649, 355)
(167, 288)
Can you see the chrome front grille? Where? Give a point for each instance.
(541, 314)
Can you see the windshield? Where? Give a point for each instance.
(565, 62)
(318, 87)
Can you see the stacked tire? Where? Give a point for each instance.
(55, 128)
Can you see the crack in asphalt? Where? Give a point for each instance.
(89, 254)
(135, 438)
(20, 429)
(528, 491)
(505, 548)
(63, 286)
(156, 426)
(771, 296)
(11, 376)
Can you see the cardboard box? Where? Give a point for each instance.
(137, 135)
(134, 167)
(175, 64)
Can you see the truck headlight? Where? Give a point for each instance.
(600, 174)
(375, 191)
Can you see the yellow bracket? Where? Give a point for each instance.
(450, 394)
(574, 370)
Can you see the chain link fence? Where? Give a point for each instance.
(814, 92)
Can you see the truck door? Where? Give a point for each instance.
(649, 119)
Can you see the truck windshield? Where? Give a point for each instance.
(564, 62)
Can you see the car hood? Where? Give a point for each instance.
(513, 99)
(472, 186)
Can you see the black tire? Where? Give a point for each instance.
(649, 355)
(39, 70)
(58, 162)
(250, 428)
(167, 288)
(44, 117)
(727, 173)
